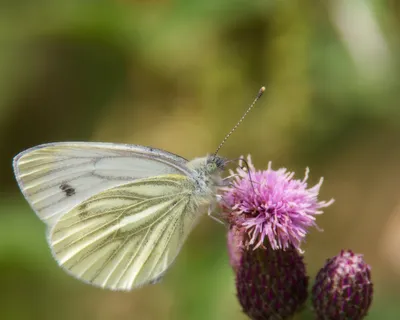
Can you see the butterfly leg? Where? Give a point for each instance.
(211, 208)
(231, 176)
(221, 200)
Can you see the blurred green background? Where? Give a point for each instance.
(177, 75)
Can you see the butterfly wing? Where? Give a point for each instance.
(126, 236)
(56, 177)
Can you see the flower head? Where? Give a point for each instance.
(235, 247)
(270, 284)
(272, 205)
(343, 288)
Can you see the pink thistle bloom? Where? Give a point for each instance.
(270, 204)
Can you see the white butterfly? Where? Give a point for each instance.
(117, 215)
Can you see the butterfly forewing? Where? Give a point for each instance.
(56, 177)
(126, 236)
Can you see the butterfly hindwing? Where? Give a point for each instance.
(126, 236)
(56, 177)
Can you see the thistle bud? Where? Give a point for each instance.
(271, 284)
(343, 288)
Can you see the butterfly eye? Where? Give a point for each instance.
(212, 166)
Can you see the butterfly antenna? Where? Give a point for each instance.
(260, 92)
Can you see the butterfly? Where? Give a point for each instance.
(117, 215)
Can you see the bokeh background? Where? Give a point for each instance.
(177, 75)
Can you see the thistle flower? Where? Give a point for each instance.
(271, 284)
(235, 248)
(343, 288)
(271, 205)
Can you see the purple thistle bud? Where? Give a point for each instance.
(271, 284)
(271, 204)
(343, 288)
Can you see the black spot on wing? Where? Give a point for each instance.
(67, 189)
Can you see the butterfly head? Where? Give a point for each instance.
(208, 169)
(206, 174)
(215, 164)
